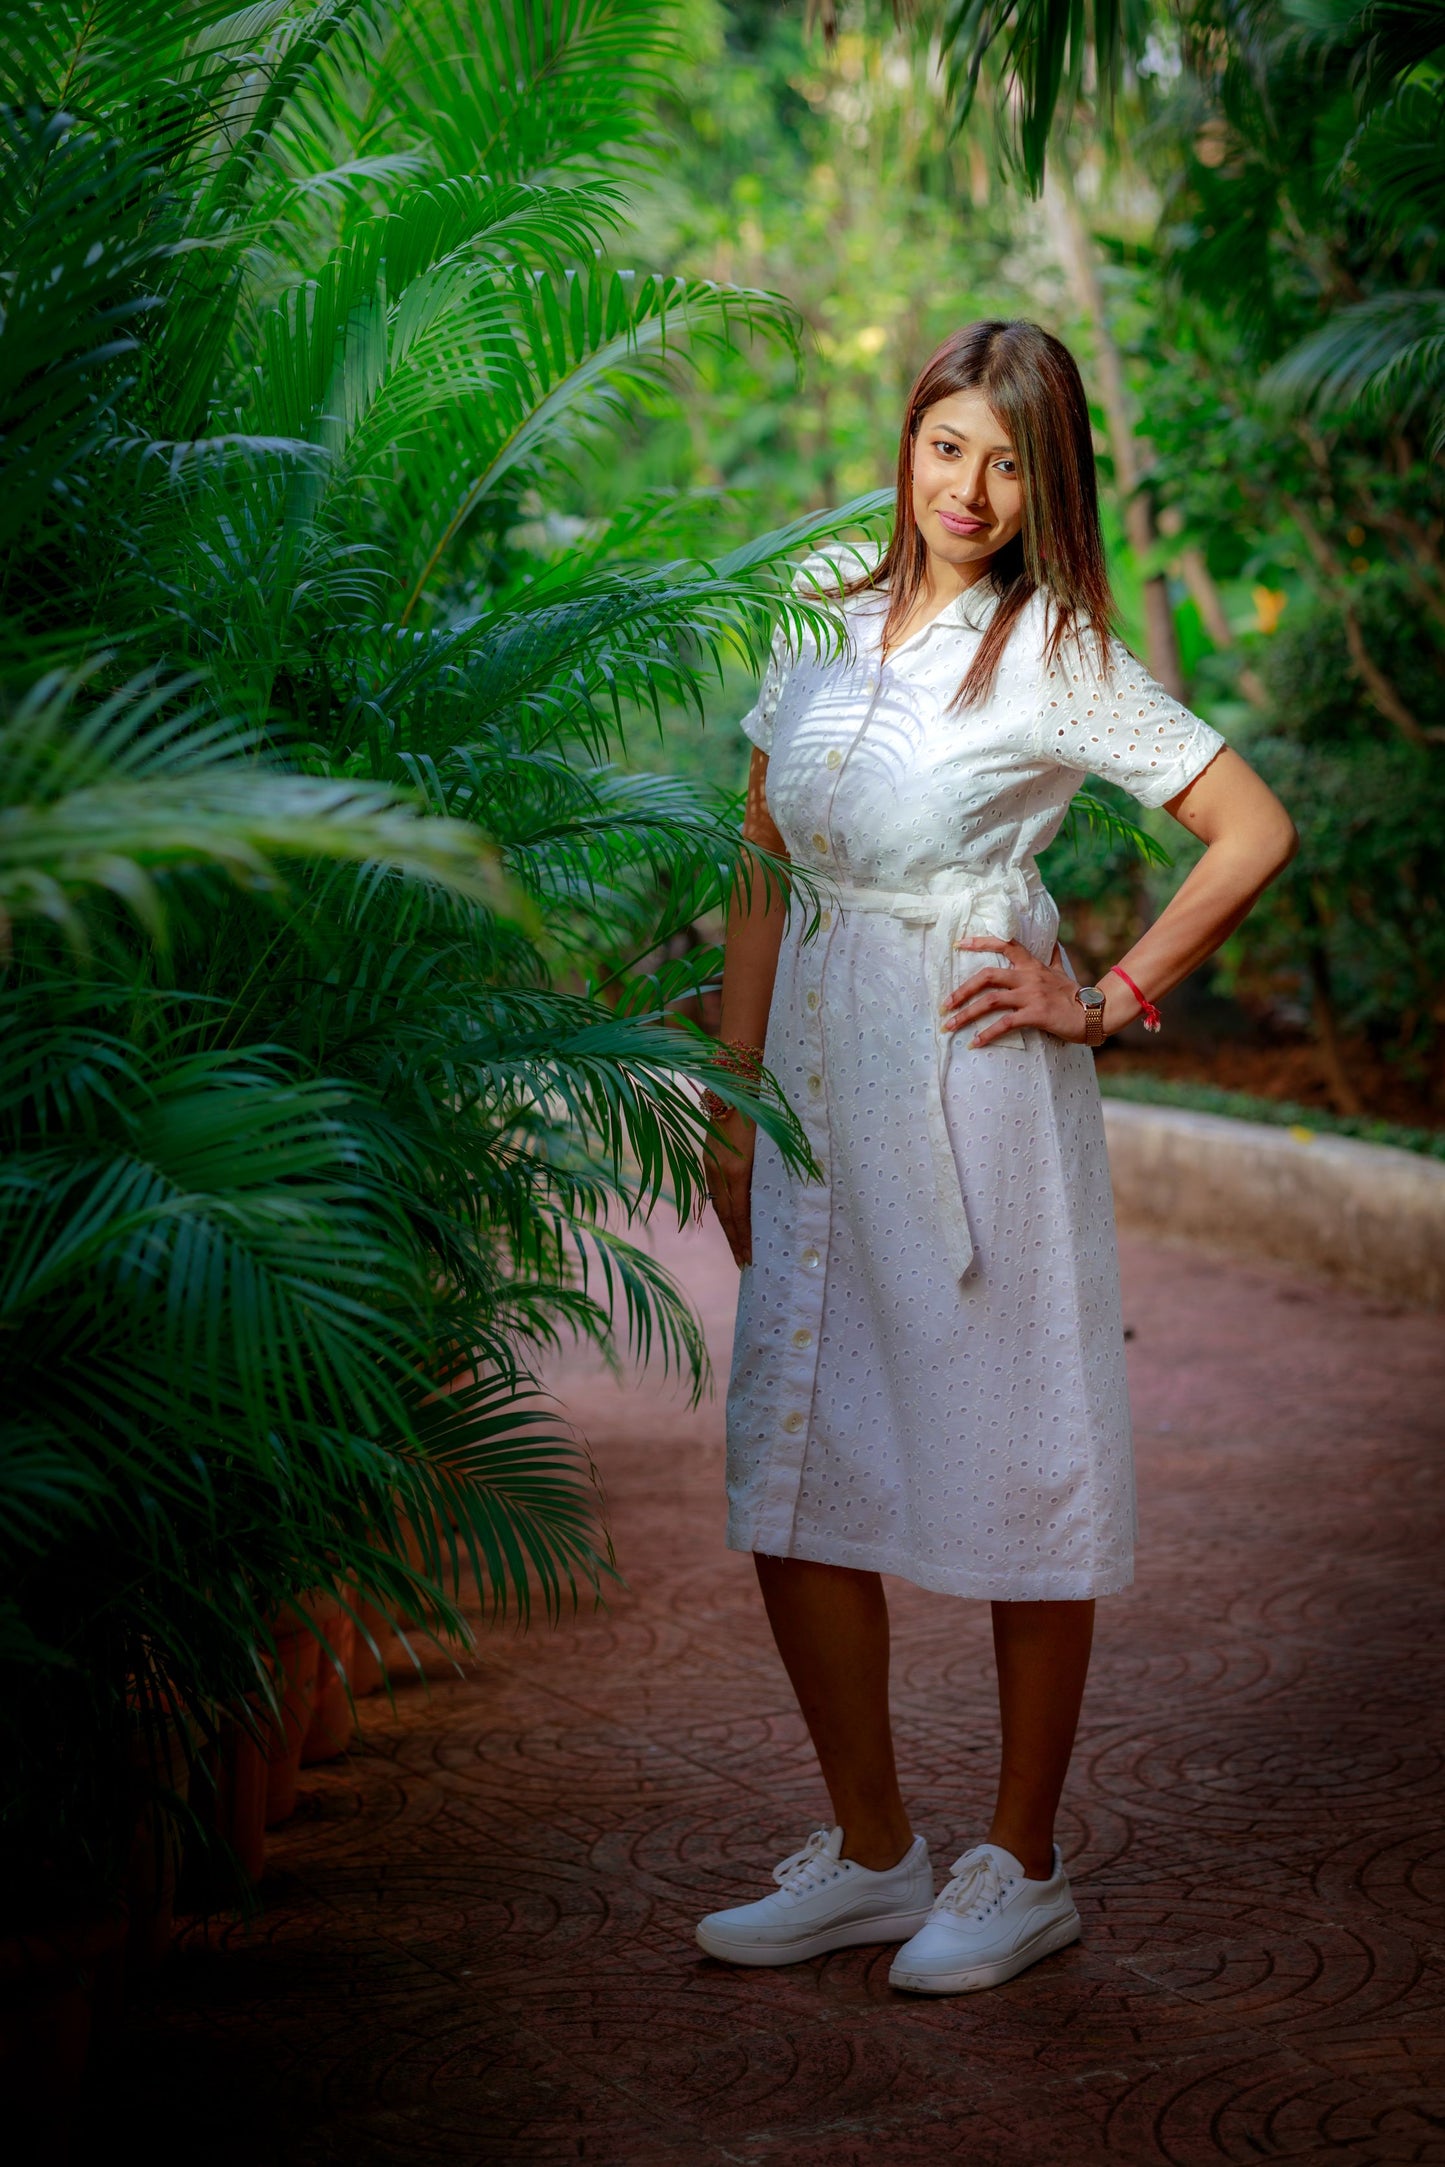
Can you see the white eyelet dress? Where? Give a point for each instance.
(928, 1371)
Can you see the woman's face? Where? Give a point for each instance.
(967, 497)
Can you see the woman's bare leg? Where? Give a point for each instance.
(831, 1627)
(1042, 1651)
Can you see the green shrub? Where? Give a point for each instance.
(1358, 920)
(329, 1081)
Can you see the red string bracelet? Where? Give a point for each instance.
(1148, 1013)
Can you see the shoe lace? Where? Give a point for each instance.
(976, 1884)
(805, 1868)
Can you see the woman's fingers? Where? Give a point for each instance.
(998, 974)
(1017, 995)
(1001, 1029)
(737, 1225)
(1055, 1011)
(992, 941)
(729, 1182)
(1000, 996)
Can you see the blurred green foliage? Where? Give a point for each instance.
(1201, 1098)
(1364, 902)
(1261, 182)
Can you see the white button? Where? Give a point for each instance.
(815, 1085)
(793, 1422)
(811, 1259)
(812, 1000)
(826, 920)
(832, 757)
(802, 1339)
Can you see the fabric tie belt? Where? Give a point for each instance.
(972, 904)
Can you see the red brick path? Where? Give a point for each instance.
(477, 1941)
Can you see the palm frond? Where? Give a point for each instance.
(1038, 51)
(81, 267)
(141, 786)
(1113, 825)
(92, 56)
(518, 88)
(1385, 354)
(568, 358)
(1398, 157)
(492, 1478)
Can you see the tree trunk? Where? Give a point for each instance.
(1076, 252)
(1206, 598)
(1343, 1095)
(1378, 684)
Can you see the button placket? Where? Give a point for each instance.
(802, 1324)
(835, 757)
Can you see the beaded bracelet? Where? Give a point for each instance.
(737, 1060)
(740, 1060)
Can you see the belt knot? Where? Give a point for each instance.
(989, 901)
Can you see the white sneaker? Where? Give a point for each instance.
(823, 1901)
(989, 1923)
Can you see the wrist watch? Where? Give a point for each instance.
(1091, 1000)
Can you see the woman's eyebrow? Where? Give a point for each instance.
(943, 428)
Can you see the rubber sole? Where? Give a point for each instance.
(856, 1934)
(1057, 1935)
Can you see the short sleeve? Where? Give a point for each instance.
(1125, 726)
(757, 723)
(816, 577)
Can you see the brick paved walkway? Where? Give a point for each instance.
(477, 1938)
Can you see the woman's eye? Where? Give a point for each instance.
(1006, 466)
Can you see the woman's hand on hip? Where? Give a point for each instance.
(728, 1162)
(1016, 995)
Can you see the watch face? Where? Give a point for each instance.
(1091, 997)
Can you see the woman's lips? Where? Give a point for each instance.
(956, 525)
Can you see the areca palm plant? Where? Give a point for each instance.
(336, 1059)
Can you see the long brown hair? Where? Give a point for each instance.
(1032, 382)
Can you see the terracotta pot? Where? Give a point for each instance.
(55, 1986)
(367, 1666)
(162, 1760)
(293, 1666)
(418, 1634)
(333, 1723)
(242, 1783)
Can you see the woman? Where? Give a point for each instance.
(928, 1376)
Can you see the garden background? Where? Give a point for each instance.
(413, 416)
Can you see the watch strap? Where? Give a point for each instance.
(1091, 1000)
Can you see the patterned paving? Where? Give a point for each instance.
(476, 1941)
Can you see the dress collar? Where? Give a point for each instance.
(970, 611)
(973, 608)
(967, 612)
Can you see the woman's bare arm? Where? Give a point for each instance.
(1250, 838)
(756, 917)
